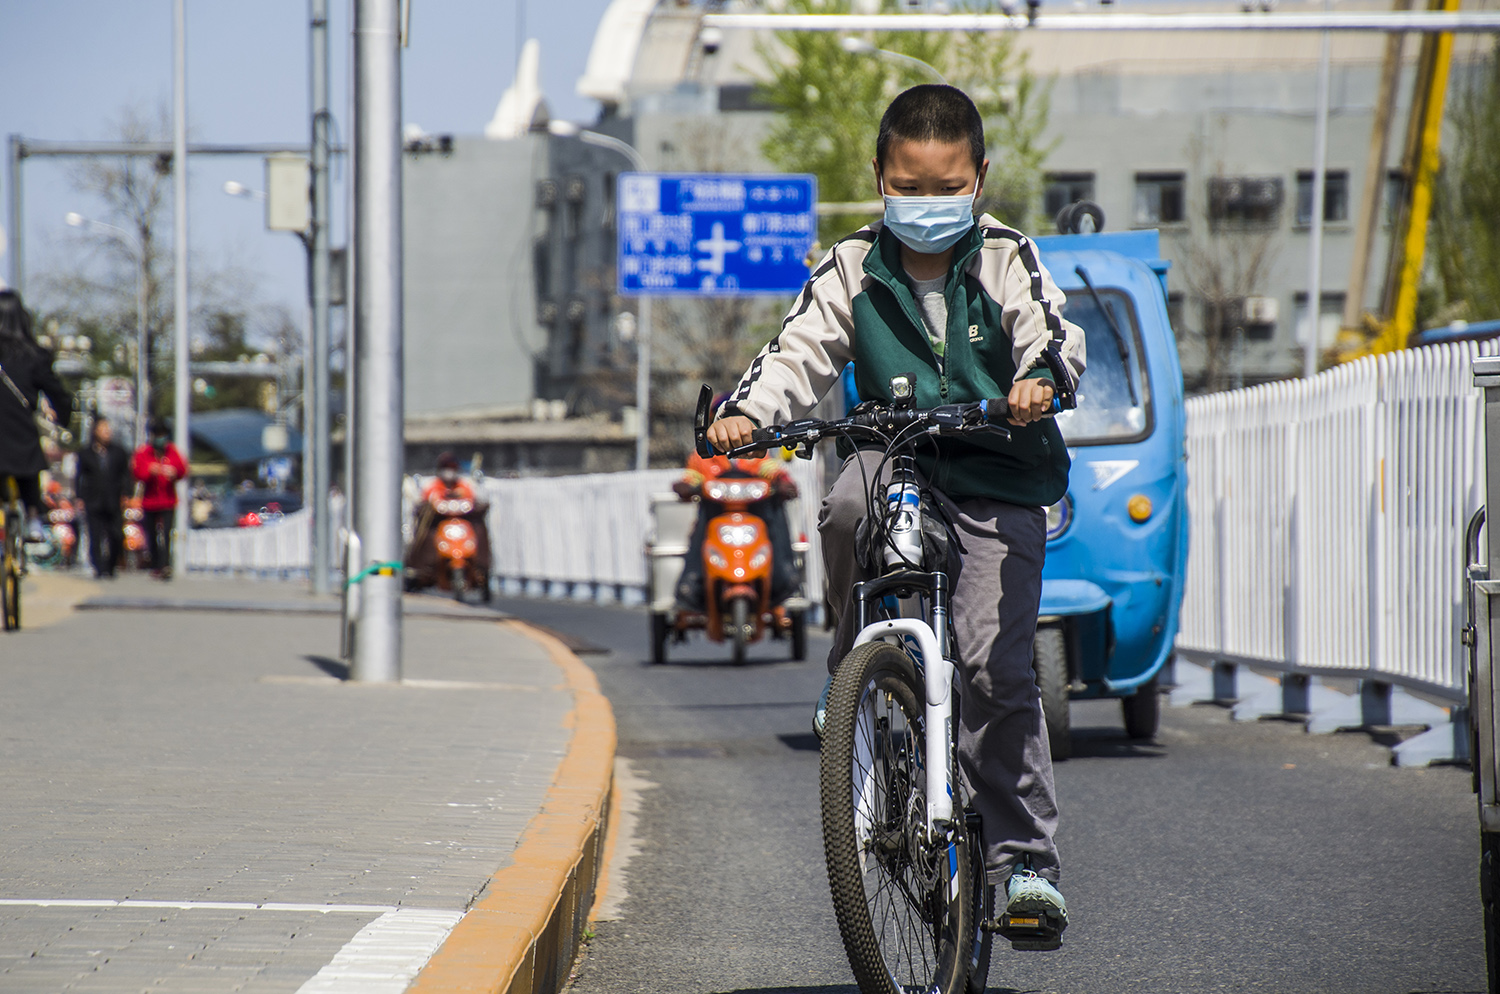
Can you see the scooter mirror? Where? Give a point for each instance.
(700, 422)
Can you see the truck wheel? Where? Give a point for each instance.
(1050, 663)
(1142, 711)
(799, 636)
(659, 631)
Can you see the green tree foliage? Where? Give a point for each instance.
(830, 102)
(1466, 204)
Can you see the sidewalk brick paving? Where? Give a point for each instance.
(208, 757)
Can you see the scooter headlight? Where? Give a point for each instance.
(1059, 517)
(715, 559)
(761, 557)
(736, 490)
(737, 535)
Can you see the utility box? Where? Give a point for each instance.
(288, 193)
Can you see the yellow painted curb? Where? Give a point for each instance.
(521, 935)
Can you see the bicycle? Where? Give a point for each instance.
(902, 842)
(12, 555)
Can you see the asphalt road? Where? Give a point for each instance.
(1223, 857)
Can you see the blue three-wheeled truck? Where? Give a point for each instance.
(1117, 543)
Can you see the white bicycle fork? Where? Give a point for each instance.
(937, 674)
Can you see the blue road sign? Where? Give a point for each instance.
(714, 235)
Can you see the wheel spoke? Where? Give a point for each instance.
(894, 911)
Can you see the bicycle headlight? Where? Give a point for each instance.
(1059, 517)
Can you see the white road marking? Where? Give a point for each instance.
(382, 958)
(360, 909)
(386, 955)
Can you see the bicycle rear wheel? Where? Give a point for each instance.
(905, 906)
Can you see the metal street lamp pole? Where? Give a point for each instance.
(1315, 241)
(317, 453)
(643, 308)
(180, 523)
(377, 317)
(142, 357)
(858, 46)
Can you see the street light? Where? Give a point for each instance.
(859, 46)
(566, 129)
(142, 356)
(237, 189)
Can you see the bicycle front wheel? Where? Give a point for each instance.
(905, 904)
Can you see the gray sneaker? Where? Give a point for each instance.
(1035, 912)
(820, 713)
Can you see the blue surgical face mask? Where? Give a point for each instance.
(930, 224)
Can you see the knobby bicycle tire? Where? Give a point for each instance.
(924, 940)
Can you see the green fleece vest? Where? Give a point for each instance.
(891, 339)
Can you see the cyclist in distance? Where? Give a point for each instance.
(25, 372)
(965, 306)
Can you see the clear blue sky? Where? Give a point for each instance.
(70, 66)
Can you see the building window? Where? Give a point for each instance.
(1243, 318)
(1335, 197)
(608, 221)
(1394, 196)
(1330, 317)
(1159, 198)
(1063, 189)
(1246, 200)
(1176, 315)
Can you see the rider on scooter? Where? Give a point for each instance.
(772, 511)
(447, 485)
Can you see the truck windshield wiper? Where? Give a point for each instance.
(1114, 326)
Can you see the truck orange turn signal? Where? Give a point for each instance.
(1139, 508)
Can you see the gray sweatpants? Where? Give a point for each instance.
(1003, 753)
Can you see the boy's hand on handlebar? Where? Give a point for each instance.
(1030, 400)
(731, 433)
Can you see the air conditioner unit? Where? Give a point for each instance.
(1261, 310)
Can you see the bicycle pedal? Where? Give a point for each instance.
(1027, 932)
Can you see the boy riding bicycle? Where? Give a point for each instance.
(966, 307)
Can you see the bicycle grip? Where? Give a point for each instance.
(997, 409)
(769, 437)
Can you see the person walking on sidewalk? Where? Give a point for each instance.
(25, 373)
(104, 476)
(158, 465)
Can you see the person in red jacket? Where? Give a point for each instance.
(158, 465)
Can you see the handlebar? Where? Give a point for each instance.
(871, 419)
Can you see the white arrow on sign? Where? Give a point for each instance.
(717, 247)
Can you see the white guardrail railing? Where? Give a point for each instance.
(553, 533)
(1328, 518)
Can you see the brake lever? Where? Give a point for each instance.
(700, 422)
(987, 428)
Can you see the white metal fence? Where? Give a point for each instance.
(566, 530)
(591, 529)
(1328, 519)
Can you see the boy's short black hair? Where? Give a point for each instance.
(932, 112)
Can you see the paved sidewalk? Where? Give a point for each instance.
(212, 762)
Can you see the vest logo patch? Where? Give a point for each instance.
(974, 335)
